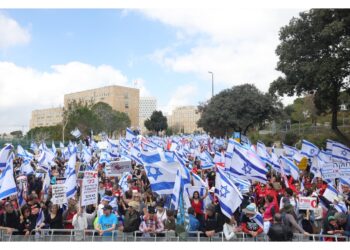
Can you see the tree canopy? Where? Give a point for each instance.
(237, 109)
(157, 122)
(314, 55)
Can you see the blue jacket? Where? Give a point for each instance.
(194, 223)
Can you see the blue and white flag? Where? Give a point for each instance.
(25, 155)
(340, 152)
(130, 135)
(290, 168)
(26, 168)
(330, 193)
(53, 148)
(123, 183)
(341, 208)
(61, 145)
(206, 160)
(40, 219)
(274, 162)
(258, 218)
(290, 151)
(46, 183)
(7, 181)
(160, 173)
(76, 133)
(229, 196)
(329, 145)
(4, 155)
(34, 147)
(182, 183)
(86, 155)
(71, 180)
(219, 157)
(262, 151)
(309, 149)
(242, 185)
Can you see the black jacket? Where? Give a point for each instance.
(279, 232)
(131, 222)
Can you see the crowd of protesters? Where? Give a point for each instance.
(141, 210)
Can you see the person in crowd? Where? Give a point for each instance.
(10, 219)
(132, 218)
(198, 206)
(230, 228)
(332, 228)
(54, 218)
(35, 222)
(80, 222)
(288, 199)
(289, 219)
(107, 222)
(278, 231)
(169, 222)
(161, 211)
(248, 224)
(343, 220)
(211, 222)
(25, 220)
(69, 214)
(268, 212)
(151, 224)
(193, 221)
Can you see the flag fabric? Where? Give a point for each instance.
(262, 152)
(182, 182)
(33, 146)
(206, 160)
(71, 179)
(123, 183)
(290, 151)
(53, 148)
(161, 174)
(26, 168)
(330, 193)
(242, 185)
(258, 218)
(7, 181)
(4, 155)
(309, 149)
(130, 135)
(340, 152)
(86, 155)
(25, 155)
(274, 162)
(76, 133)
(40, 219)
(229, 196)
(289, 167)
(219, 157)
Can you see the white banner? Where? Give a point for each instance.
(307, 203)
(117, 168)
(89, 190)
(330, 171)
(59, 194)
(344, 169)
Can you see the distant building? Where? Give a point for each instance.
(146, 108)
(184, 119)
(46, 117)
(123, 99)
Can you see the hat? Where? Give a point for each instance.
(210, 207)
(250, 209)
(109, 207)
(134, 204)
(7, 203)
(151, 210)
(330, 218)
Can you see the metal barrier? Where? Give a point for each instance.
(197, 236)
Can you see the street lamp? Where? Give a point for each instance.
(212, 83)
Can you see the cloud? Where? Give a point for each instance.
(25, 89)
(181, 97)
(11, 33)
(237, 45)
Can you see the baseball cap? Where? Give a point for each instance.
(107, 207)
(106, 198)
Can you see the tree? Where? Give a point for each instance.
(45, 133)
(314, 56)
(17, 134)
(237, 109)
(157, 122)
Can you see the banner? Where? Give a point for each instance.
(344, 169)
(117, 168)
(307, 203)
(330, 171)
(59, 194)
(89, 191)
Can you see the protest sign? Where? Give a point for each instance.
(344, 169)
(117, 168)
(307, 203)
(330, 171)
(59, 194)
(89, 188)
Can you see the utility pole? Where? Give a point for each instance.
(212, 83)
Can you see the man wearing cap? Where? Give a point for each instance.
(107, 222)
(10, 220)
(104, 202)
(132, 218)
(249, 225)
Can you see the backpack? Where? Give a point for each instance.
(4, 218)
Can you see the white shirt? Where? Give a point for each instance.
(229, 231)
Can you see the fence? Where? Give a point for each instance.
(55, 235)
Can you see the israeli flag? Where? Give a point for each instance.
(34, 147)
(219, 157)
(340, 152)
(105, 157)
(289, 167)
(308, 149)
(7, 182)
(258, 218)
(160, 173)
(274, 162)
(71, 181)
(4, 154)
(248, 164)
(182, 183)
(40, 219)
(86, 155)
(53, 148)
(46, 184)
(330, 193)
(123, 183)
(76, 133)
(329, 145)
(206, 160)
(262, 152)
(136, 154)
(290, 151)
(25, 155)
(130, 135)
(242, 185)
(198, 181)
(26, 168)
(341, 208)
(229, 196)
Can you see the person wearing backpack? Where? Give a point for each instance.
(289, 219)
(10, 219)
(278, 231)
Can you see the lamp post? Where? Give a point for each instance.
(212, 83)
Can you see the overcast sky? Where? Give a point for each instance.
(167, 53)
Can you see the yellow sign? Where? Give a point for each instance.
(303, 164)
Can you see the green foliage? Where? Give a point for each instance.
(17, 134)
(237, 109)
(291, 138)
(157, 122)
(314, 56)
(45, 133)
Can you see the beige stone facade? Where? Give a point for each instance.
(184, 119)
(123, 99)
(46, 117)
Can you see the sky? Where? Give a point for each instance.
(166, 53)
